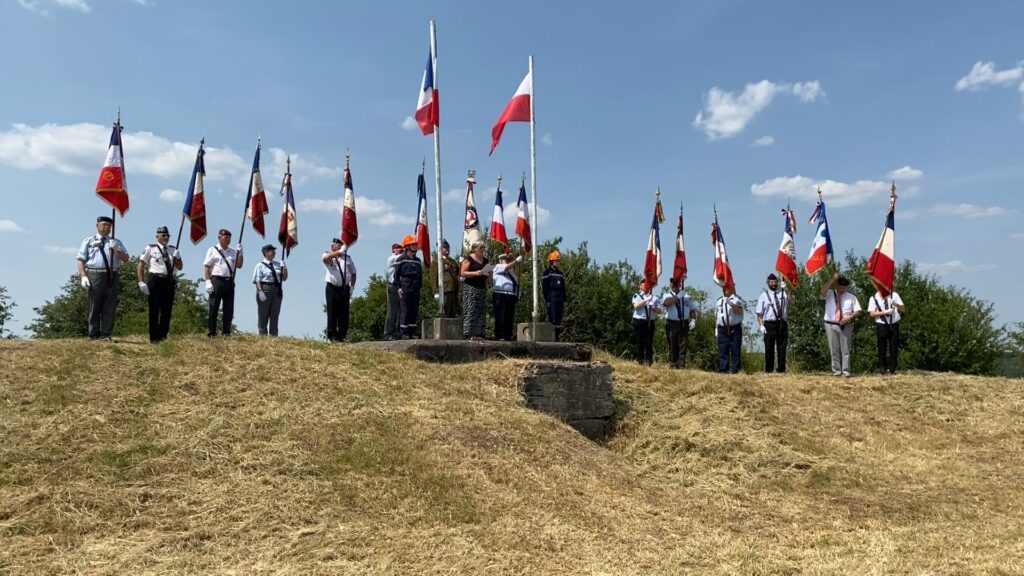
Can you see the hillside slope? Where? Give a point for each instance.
(257, 456)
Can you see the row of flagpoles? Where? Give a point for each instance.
(880, 266)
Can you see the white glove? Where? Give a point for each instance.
(238, 247)
(763, 329)
(519, 258)
(693, 323)
(283, 265)
(144, 288)
(209, 286)
(262, 296)
(887, 311)
(85, 282)
(437, 296)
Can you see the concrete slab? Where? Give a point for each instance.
(464, 351)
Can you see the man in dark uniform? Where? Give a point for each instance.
(160, 260)
(450, 279)
(554, 291)
(408, 280)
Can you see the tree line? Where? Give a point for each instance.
(945, 327)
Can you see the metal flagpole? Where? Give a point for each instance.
(124, 180)
(437, 173)
(533, 187)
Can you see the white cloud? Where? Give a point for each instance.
(511, 213)
(836, 194)
(41, 6)
(763, 141)
(727, 114)
(376, 211)
(1017, 235)
(905, 173)
(547, 140)
(170, 195)
(60, 249)
(302, 168)
(10, 226)
(952, 267)
(409, 124)
(967, 210)
(984, 74)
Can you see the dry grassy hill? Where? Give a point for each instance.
(249, 456)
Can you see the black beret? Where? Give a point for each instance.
(106, 219)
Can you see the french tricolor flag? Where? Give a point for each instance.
(111, 184)
(722, 274)
(422, 228)
(427, 113)
(882, 263)
(498, 221)
(785, 260)
(652, 259)
(517, 109)
(523, 219)
(821, 247)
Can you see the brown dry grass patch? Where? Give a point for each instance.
(258, 456)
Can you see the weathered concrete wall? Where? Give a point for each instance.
(579, 393)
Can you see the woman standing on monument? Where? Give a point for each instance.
(474, 271)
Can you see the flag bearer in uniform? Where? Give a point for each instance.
(219, 268)
(269, 276)
(408, 281)
(645, 308)
(391, 320)
(729, 330)
(886, 312)
(553, 285)
(841, 308)
(160, 260)
(99, 258)
(773, 318)
(679, 320)
(340, 275)
(450, 281)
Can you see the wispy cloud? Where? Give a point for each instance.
(59, 249)
(967, 210)
(905, 173)
(984, 74)
(726, 114)
(836, 194)
(763, 141)
(170, 195)
(42, 7)
(952, 267)
(409, 124)
(10, 226)
(1017, 235)
(377, 212)
(547, 140)
(511, 213)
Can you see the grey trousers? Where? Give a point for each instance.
(102, 302)
(840, 341)
(268, 312)
(391, 320)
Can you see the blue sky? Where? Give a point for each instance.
(739, 104)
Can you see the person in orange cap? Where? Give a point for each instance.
(553, 283)
(408, 280)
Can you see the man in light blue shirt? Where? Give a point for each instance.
(729, 330)
(394, 302)
(99, 258)
(679, 320)
(269, 276)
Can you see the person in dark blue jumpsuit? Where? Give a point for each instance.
(408, 280)
(554, 292)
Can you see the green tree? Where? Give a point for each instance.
(6, 304)
(944, 329)
(67, 315)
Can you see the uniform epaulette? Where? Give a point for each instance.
(151, 245)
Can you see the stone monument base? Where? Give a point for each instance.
(442, 329)
(535, 332)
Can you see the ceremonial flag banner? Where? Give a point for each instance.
(111, 186)
(195, 201)
(679, 264)
(427, 113)
(422, 229)
(517, 110)
(882, 263)
(785, 260)
(821, 247)
(523, 219)
(471, 227)
(256, 200)
(349, 227)
(652, 260)
(288, 231)
(497, 231)
(722, 273)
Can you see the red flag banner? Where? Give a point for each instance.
(349, 227)
(679, 263)
(652, 259)
(256, 199)
(111, 186)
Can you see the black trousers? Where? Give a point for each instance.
(643, 335)
(223, 297)
(161, 300)
(409, 309)
(888, 346)
(556, 309)
(504, 314)
(338, 298)
(776, 338)
(676, 333)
